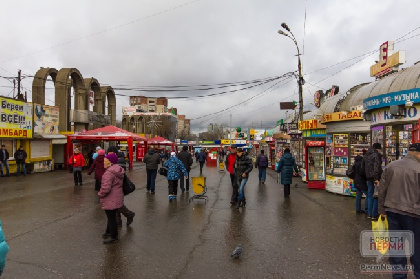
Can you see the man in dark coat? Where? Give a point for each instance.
(185, 157)
(286, 167)
(262, 164)
(4, 156)
(202, 159)
(20, 157)
(152, 161)
(360, 184)
(243, 166)
(372, 166)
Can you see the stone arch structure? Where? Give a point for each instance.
(38, 84)
(108, 94)
(66, 79)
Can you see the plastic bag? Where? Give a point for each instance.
(381, 234)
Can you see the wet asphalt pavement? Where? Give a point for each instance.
(54, 230)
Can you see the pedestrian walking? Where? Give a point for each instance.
(399, 200)
(196, 156)
(78, 162)
(202, 159)
(185, 157)
(175, 167)
(123, 209)
(359, 180)
(229, 165)
(4, 248)
(286, 167)
(262, 163)
(152, 161)
(4, 156)
(20, 157)
(162, 157)
(242, 167)
(99, 168)
(121, 159)
(111, 195)
(372, 166)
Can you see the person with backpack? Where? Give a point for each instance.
(262, 163)
(359, 179)
(372, 166)
(20, 157)
(175, 168)
(286, 167)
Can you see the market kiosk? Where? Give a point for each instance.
(347, 137)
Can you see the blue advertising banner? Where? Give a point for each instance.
(394, 98)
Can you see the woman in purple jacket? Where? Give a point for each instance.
(111, 195)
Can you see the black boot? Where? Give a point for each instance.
(239, 204)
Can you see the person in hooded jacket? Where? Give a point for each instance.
(152, 161)
(111, 195)
(175, 167)
(122, 210)
(20, 157)
(372, 166)
(360, 184)
(4, 248)
(242, 168)
(78, 162)
(98, 166)
(286, 167)
(187, 160)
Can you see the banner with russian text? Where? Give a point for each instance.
(15, 119)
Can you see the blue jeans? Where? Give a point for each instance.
(23, 168)
(151, 179)
(371, 189)
(262, 174)
(397, 221)
(375, 213)
(181, 182)
(7, 167)
(359, 200)
(242, 188)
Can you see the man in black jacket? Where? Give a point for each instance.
(185, 157)
(20, 157)
(152, 161)
(4, 156)
(372, 166)
(242, 166)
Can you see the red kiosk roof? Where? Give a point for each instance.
(107, 133)
(159, 140)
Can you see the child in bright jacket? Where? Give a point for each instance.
(4, 248)
(175, 167)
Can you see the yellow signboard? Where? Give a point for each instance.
(310, 125)
(342, 116)
(252, 132)
(225, 141)
(15, 119)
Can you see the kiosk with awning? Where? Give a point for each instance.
(108, 133)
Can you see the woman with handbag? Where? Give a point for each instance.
(111, 195)
(359, 179)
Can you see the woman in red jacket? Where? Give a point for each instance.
(111, 195)
(78, 162)
(98, 166)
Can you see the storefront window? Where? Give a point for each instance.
(10, 146)
(359, 143)
(378, 134)
(405, 139)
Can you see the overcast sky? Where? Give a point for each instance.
(136, 44)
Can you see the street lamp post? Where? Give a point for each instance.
(300, 79)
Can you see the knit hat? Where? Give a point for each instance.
(98, 148)
(112, 158)
(173, 154)
(101, 152)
